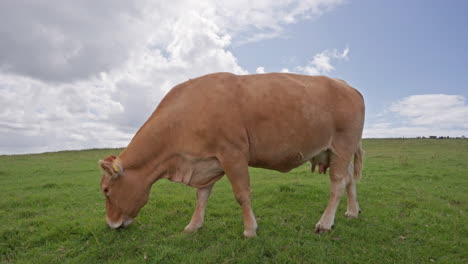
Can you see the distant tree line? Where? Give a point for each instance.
(424, 137)
(441, 137)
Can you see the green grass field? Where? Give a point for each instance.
(413, 195)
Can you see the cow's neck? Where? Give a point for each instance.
(146, 154)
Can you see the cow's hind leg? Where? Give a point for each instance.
(352, 210)
(340, 158)
(238, 174)
(198, 216)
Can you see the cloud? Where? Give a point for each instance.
(423, 115)
(66, 40)
(434, 110)
(87, 74)
(260, 70)
(36, 116)
(73, 40)
(250, 21)
(321, 62)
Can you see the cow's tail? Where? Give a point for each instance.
(358, 162)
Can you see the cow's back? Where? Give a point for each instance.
(278, 120)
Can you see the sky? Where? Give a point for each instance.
(87, 74)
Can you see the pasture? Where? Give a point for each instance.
(413, 194)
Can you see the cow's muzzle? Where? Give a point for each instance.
(119, 224)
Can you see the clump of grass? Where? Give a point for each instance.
(403, 160)
(286, 188)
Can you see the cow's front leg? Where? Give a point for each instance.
(198, 216)
(250, 223)
(238, 175)
(338, 170)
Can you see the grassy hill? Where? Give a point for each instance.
(413, 193)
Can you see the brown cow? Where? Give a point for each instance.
(222, 123)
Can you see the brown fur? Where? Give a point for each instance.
(358, 163)
(222, 123)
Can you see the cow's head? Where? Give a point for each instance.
(125, 194)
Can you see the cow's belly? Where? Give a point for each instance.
(284, 165)
(285, 161)
(284, 151)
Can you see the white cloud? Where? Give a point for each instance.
(423, 115)
(264, 19)
(260, 70)
(87, 74)
(434, 110)
(67, 40)
(62, 116)
(73, 40)
(321, 62)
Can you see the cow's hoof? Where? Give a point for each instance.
(191, 229)
(250, 233)
(319, 228)
(351, 214)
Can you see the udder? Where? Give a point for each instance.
(322, 160)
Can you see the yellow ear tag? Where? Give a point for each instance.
(116, 168)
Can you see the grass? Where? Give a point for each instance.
(414, 196)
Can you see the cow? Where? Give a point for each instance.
(220, 124)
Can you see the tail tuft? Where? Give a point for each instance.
(358, 162)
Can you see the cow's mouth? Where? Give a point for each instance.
(119, 224)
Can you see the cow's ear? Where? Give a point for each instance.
(110, 167)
